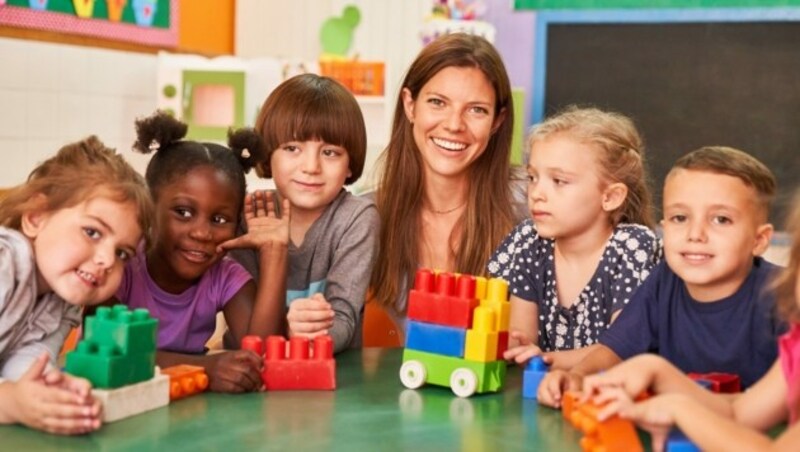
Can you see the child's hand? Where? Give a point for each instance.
(554, 384)
(310, 317)
(264, 228)
(524, 351)
(634, 376)
(656, 415)
(235, 371)
(54, 402)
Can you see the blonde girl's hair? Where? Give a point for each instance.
(620, 155)
(488, 216)
(77, 173)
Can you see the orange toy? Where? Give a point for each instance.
(185, 380)
(614, 434)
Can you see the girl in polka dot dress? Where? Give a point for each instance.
(589, 243)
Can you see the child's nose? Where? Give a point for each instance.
(201, 231)
(535, 192)
(311, 162)
(697, 231)
(104, 256)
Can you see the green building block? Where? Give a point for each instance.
(439, 369)
(118, 349)
(131, 331)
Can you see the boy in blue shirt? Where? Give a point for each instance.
(707, 308)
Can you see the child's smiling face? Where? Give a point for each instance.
(81, 251)
(194, 213)
(713, 227)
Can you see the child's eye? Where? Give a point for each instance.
(123, 255)
(720, 219)
(331, 152)
(677, 218)
(533, 178)
(558, 181)
(290, 148)
(92, 233)
(219, 219)
(183, 212)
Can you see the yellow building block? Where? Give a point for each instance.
(502, 310)
(481, 341)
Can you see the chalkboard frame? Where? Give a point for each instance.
(545, 19)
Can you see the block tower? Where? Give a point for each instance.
(118, 348)
(306, 365)
(457, 332)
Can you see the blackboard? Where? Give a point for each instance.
(688, 85)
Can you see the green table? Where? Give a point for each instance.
(370, 410)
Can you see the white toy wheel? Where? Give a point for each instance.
(463, 382)
(413, 374)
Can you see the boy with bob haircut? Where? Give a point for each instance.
(706, 308)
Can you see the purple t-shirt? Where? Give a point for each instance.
(185, 321)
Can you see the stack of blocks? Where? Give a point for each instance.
(300, 368)
(612, 435)
(457, 332)
(117, 355)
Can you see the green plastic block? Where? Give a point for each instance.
(491, 375)
(106, 367)
(130, 331)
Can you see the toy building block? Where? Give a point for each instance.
(481, 342)
(440, 339)
(462, 376)
(502, 344)
(303, 368)
(119, 348)
(444, 299)
(185, 380)
(497, 298)
(678, 442)
(718, 382)
(532, 377)
(130, 400)
(612, 435)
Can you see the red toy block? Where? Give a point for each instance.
(442, 299)
(185, 380)
(719, 382)
(612, 435)
(303, 368)
(502, 344)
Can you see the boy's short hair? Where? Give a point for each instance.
(736, 163)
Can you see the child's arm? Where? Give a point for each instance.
(524, 328)
(23, 358)
(53, 403)
(347, 280)
(231, 371)
(260, 311)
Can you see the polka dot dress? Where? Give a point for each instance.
(525, 260)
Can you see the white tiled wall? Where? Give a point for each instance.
(52, 94)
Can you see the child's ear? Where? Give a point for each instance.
(35, 217)
(408, 104)
(614, 195)
(763, 237)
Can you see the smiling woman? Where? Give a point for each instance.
(444, 197)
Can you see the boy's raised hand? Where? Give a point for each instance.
(264, 227)
(310, 317)
(235, 372)
(524, 351)
(54, 402)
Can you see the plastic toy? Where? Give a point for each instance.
(612, 435)
(117, 355)
(185, 380)
(718, 382)
(532, 377)
(302, 368)
(441, 348)
(678, 442)
(118, 349)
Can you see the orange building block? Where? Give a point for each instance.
(612, 435)
(185, 380)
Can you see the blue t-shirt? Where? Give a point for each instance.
(526, 261)
(737, 334)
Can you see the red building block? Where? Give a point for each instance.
(719, 382)
(502, 344)
(185, 380)
(302, 368)
(442, 299)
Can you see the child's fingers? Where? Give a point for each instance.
(234, 243)
(549, 392)
(315, 303)
(286, 209)
(520, 337)
(69, 425)
(528, 352)
(37, 368)
(308, 328)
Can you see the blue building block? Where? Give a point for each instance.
(678, 442)
(532, 377)
(438, 339)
